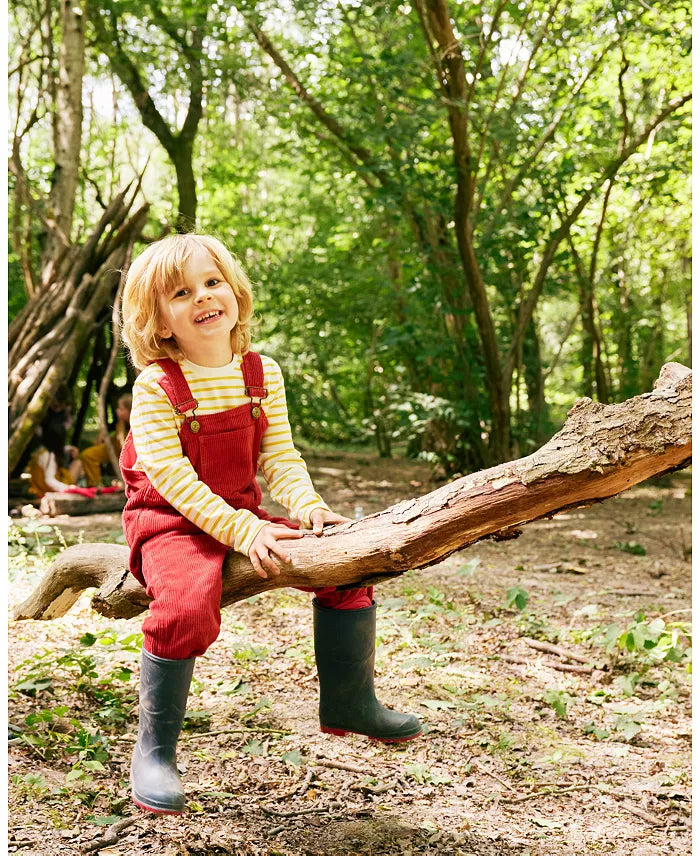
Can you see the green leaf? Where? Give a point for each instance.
(469, 568)
(438, 704)
(630, 547)
(237, 687)
(253, 747)
(261, 704)
(122, 674)
(599, 733)
(88, 639)
(104, 820)
(193, 718)
(559, 700)
(627, 725)
(418, 772)
(517, 597)
(417, 663)
(627, 683)
(32, 686)
(75, 774)
(543, 822)
(292, 757)
(438, 778)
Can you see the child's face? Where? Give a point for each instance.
(200, 312)
(123, 412)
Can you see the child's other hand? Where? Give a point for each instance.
(268, 542)
(320, 517)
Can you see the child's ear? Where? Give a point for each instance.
(164, 332)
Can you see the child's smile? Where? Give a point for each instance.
(200, 312)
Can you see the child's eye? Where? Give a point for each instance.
(212, 282)
(181, 292)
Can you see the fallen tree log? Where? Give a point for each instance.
(601, 451)
(53, 504)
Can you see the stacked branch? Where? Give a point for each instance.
(601, 451)
(51, 333)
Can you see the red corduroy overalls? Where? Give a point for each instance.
(179, 564)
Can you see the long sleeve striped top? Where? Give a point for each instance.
(155, 428)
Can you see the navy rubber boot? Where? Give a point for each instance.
(344, 642)
(164, 686)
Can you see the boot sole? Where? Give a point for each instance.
(154, 810)
(342, 732)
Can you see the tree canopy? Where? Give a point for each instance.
(459, 217)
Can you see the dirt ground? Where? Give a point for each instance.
(518, 757)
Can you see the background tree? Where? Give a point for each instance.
(448, 245)
(501, 152)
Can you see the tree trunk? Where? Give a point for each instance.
(689, 325)
(534, 383)
(651, 338)
(178, 145)
(94, 372)
(186, 187)
(601, 451)
(591, 352)
(67, 124)
(453, 71)
(624, 321)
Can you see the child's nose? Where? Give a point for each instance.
(202, 294)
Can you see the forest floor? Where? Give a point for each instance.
(517, 758)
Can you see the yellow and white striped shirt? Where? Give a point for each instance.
(155, 428)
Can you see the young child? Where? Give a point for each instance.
(95, 456)
(207, 412)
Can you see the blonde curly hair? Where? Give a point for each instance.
(159, 269)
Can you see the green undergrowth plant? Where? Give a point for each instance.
(537, 627)
(32, 546)
(53, 735)
(34, 536)
(645, 642)
(559, 700)
(104, 695)
(249, 653)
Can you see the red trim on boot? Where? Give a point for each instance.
(154, 810)
(340, 732)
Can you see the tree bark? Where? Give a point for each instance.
(534, 382)
(67, 124)
(601, 451)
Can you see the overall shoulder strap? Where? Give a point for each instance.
(254, 380)
(253, 375)
(175, 386)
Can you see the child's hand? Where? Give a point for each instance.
(267, 542)
(320, 516)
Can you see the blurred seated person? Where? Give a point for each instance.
(95, 456)
(54, 465)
